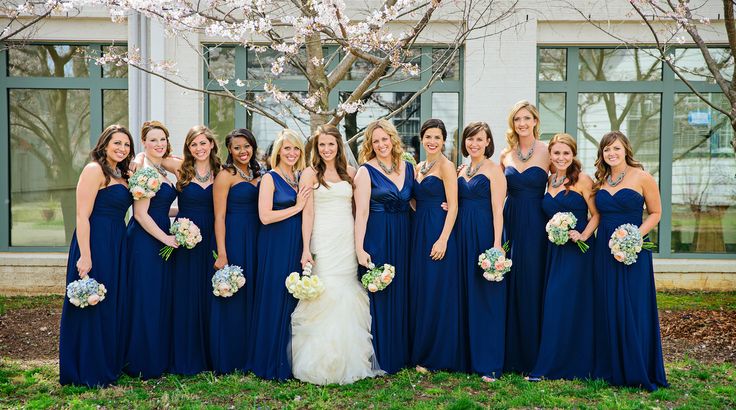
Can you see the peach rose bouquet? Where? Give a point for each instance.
(227, 281)
(626, 242)
(144, 183)
(378, 278)
(187, 235)
(495, 264)
(85, 292)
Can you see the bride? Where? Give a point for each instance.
(331, 335)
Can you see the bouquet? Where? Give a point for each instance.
(227, 281)
(626, 243)
(85, 292)
(377, 278)
(558, 229)
(304, 286)
(144, 183)
(408, 158)
(187, 235)
(494, 264)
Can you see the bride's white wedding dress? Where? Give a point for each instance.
(331, 335)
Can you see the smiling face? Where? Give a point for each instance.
(432, 141)
(200, 147)
(118, 148)
(614, 154)
(382, 145)
(476, 144)
(289, 153)
(561, 156)
(524, 123)
(155, 143)
(241, 150)
(327, 147)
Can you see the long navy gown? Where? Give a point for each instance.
(566, 349)
(628, 348)
(485, 302)
(524, 223)
(435, 313)
(279, 254)
(193, 284)
(387, 241)
(90, 343)
(149, 293)
(230, 318)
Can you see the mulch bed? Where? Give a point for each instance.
(708, 336)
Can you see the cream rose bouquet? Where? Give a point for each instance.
(626, 243)
(377, 278)
(304, 286)
(144, 183)
(227, 281)
(494, 263)
(85, 292)
(558, 229)
(187, 234)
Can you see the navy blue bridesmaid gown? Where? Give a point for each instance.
(90, 343)
(485, 302)
(524, 223)
(566, 349)
(627, 341)
(149, 293)
(193, 284)
(435, 312)
(230, 318)
(279, 254)
(387, 241)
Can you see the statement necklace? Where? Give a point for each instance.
(248, 177)
(426, 167)
(387, 170)
(555, 182)
(470, 171)
(294, 183)
(203, 178)
(158, 167)
(524, 158)
(618, 180)
(116, 172)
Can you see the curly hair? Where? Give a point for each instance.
(187, 171)
(99, 152)
(512, 138)
(603, 170)
(366, 149)
(341, 162)
(573, 171)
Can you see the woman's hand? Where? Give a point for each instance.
(221, 261)
(84, 265)
(307, 258)
(438, 250)
(575, 236)
(170, 240)
(500, 248)
(364, 259)
(302, 197)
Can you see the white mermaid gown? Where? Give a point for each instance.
(331, 338)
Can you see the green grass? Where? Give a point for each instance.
(693, 385)
(26, 302)
(696, 300)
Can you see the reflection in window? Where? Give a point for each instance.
(47, 61)
(221, 62)
(446, 107)
(265, 129)
(49, 144)
(115, 108)
(259, 66)
(362, 68)
(609, 64)
(552, 64)
(552, 114)
(116, 70)
(221, 119)
(440, 57)
(703, 183)
(691, 63)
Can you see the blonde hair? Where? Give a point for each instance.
(512, 138)
(294, 139)
(366, 149)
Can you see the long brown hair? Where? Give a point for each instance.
(341, 162)
(512, 138)
(155, 125)
(99, 152)
(603, 170)
(366, 149)
(573, 171)
(253, 164)
(187, 171)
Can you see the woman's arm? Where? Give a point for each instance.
(90, 181)
(653, 201)
(265, 202)
(449, 181)
(220, 190)
(362, 209)
(140, 213)
(586, 185)
(308, 179)
(172, 164)
(498, 196)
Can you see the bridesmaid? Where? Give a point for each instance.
(235, 197)
(566, 349)
(481, 192)
(194, 268)
(150, 277)
(435, 314)
(627, 342)
(526, 165)
(90, 343)
(279, 251)
(383, 186)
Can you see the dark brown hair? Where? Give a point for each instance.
(573, 171)
(474, 128)
(341, 162)
(99, 152)
(253, 164)
(433, 123)
(186, 172)
(148, 126)
(603, 170)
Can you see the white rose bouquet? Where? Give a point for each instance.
(377, 278)
(227, 281)
(85, 292)
(626, 243)
(187, 234)
(144, 183)
(304, 286)
(558, 229)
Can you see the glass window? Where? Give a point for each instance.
(221, 62)
(691, 63)
(119, 70)
(362, 68)
(115, 108)
(552, 64)
(440, 57)
(265, 130)
(221, 119)
(259, 66)
(610, 64)
(47, 61)
(446, 106)
(49, 146)
(552, 114)
(703, 184)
